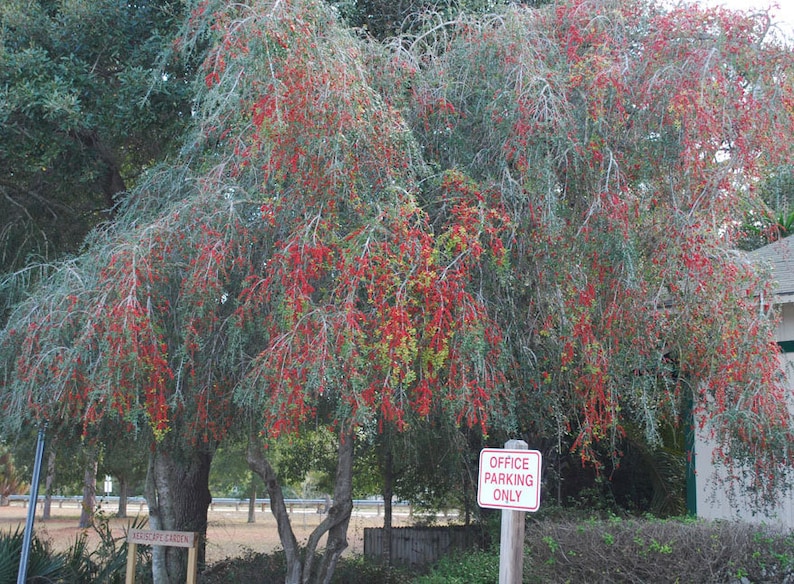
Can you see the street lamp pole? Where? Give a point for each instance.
(34, 497)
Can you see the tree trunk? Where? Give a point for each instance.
(123, 493)
(261, 466)
(112, 183)
(388, 495)
(178, 495)
(338, 518)
(335, 523)
(48, 482)
(465, 479)
(88, 504)
(252, 504)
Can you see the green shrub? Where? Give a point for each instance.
(252, 567)
(43, 564)
(109, 559)
(255, 568)
(476, 567)
(360, 570)
(653, 550)
(107, 562)
(597, 551)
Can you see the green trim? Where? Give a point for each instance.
(689, 446)
(786, 346)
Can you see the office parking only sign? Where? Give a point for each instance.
(509, 479)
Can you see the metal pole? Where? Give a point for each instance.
(34, 496)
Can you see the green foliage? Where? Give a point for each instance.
(88, 100)
(579, 550)
(357, 569)
(42, 562)
(106, 561)
(126, 460)
(480, 567)
(433, 463)
(11, 481)
(80, 564)
(313, 452)
(230, 475)
(653, 550)
(257, 567)
(252, 567)
(776, 219)
(384, 18)
(109, 558)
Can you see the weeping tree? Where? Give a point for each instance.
(370, 312)
(520, 221)
(625, 142)
(280, 271)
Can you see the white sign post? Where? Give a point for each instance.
(509, 480)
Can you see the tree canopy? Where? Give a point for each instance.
(524, 221)
(89, 98)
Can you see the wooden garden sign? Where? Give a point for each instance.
(184, 539)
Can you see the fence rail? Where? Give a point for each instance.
(360, 506)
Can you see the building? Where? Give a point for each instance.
(711, 499)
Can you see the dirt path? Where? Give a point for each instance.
(229, 534)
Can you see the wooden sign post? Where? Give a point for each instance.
(184, 539)
(510, 480)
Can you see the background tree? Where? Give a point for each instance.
(230, 475)
(10, 480)
(89, 99)
(775, 221)
(125, 459)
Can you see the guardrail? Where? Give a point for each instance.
(360, 506)
(75, 500)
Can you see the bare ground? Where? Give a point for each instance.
(228, 535)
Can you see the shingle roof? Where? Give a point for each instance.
(780, 257)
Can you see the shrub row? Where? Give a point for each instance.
(590, 551)
(631, 550)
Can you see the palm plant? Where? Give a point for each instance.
(43, 564)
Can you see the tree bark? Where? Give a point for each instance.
(335, 523)
(388, 495)
(88, 504)
(178, 495)
(259, 463)
(123, 494)
(48, 482)
(338, 518)
(252, 504)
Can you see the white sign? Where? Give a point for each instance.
(509, 479)
(185, 539)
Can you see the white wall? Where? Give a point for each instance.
(712, 497)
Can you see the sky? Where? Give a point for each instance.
(783, 14)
